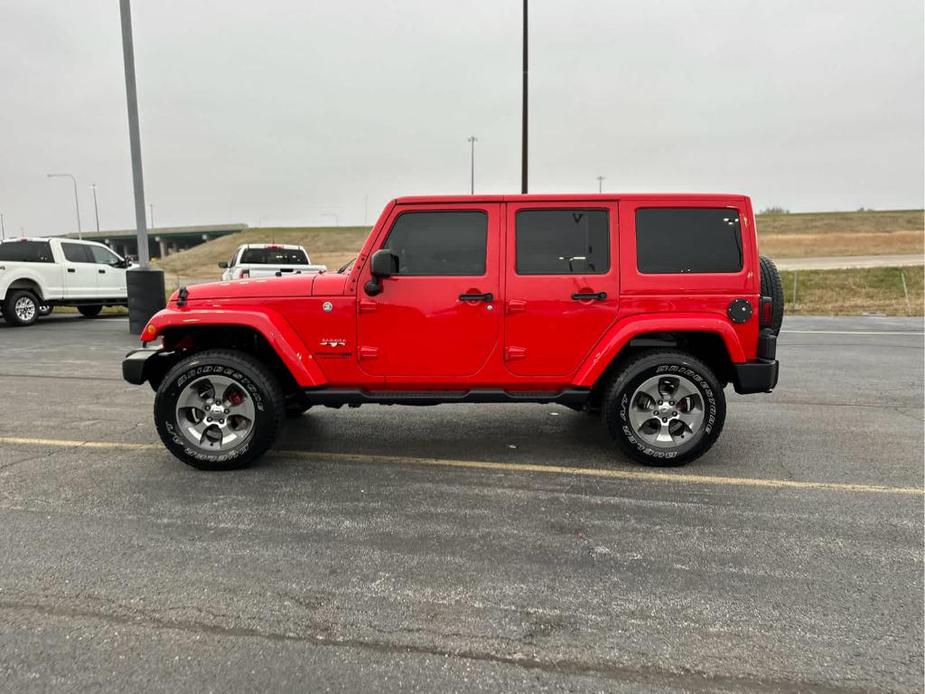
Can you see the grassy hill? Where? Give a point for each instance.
(780, 236)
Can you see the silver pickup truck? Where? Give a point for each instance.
(268, 260)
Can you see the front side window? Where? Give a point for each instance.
(562, 242)
(26, 251)
(103, 256)
(688, 240)
(440, 243)
(76, 253)
(274, 256)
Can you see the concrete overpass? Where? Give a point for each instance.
(162, 241)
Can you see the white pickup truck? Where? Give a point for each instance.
(37, 274)
(268, 260)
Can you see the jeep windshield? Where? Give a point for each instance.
(273, 256)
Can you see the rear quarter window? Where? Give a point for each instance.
(672, 240)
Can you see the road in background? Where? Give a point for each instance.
(347, 568)
(848, 262)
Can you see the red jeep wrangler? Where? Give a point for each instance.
(639, 307)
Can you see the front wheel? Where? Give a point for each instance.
(218, 409)
(665, 408)
(90, 310)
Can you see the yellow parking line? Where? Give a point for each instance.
(641, 475)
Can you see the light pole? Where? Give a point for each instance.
(96, 207)
(600, 184)
(2, 229)
(76, 197)
(523, 129)
(145, 285)
(151, 207)
(472, 140)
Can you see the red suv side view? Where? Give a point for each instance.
(641, 308)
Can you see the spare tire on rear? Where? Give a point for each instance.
(771, 286)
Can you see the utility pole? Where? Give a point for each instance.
(145, 285)
(523, 131)
(472, 140)
(151, 207)
(600, 184)
(2, 229)
(96, 207)
(76, 197)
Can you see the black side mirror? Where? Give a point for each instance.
(223, 264)
(120, 264)
(384, 263)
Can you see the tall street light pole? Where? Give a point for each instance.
(523, 134)
(145, 285)
(76, 197)
(600, 184)
(151, 207)
(472, 140)
(96, 207)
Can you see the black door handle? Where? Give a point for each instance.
(477, 297)
(102, 272)
(590, 296)
(70, 269)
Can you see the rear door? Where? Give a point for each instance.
(79, 271)
(438, 317)
(562, 289)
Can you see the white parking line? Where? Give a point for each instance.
(851, 332)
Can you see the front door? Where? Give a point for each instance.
(562, 290)
(110, 278)
(439, 317)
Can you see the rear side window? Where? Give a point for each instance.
(26, 251)
(673, 240)
(562, 242)
(440, 243)
(77, 253)
(274, 256)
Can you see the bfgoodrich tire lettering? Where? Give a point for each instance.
(671, 369)
(256, 384)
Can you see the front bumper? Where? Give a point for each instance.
(133, 366)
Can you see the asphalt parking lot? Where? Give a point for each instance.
(492, 547)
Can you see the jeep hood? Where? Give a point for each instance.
(327, 284)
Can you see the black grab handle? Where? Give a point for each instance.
(590, 296)
(477, 297)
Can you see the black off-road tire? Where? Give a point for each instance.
(668, 363)
(90, 310)
(9, 307)
(262, 387)
(771, 286)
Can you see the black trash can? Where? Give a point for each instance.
(145, 297)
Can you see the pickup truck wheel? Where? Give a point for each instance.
(90, 310)
(218, 409)
(21, 307)
(665, 408)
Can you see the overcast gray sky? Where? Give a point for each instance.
(278, 112)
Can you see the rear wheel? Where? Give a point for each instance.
(665, 408)
(45, 310)
(21, 307)
(90, 310)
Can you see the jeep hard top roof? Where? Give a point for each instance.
(571, 197)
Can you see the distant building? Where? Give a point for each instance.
(162, 241)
